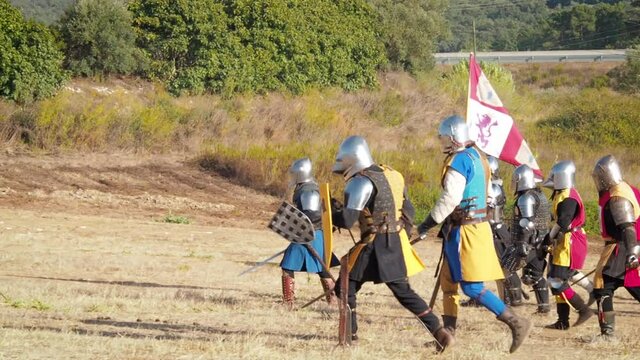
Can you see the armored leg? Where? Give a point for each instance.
(585, 283)
(606, 317)
(288, 289)
(513, 289)
(541, 290)
(532, 274)
(408, 298)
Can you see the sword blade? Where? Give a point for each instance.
(263, 262)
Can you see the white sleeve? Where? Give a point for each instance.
(454, 184)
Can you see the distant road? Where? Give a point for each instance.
(510, 57)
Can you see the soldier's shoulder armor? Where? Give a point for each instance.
(357, 192)
(310, 200)
(621, 210)
(527, 204)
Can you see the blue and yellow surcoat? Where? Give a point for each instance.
(468, 247)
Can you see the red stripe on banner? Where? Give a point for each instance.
(511, 146)
(474, 76)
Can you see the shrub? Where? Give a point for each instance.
(626, 77)
(260, 46)
(99, 39)
(597, 117)
(30, 61)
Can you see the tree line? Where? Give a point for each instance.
(219, 46)
(231, 46)
(515, 25)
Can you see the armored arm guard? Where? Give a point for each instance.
(523, 228)
(623, 216)
(310, 206)
(357, 194)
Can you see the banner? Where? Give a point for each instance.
(491, 126)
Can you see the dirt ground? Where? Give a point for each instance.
(90, 269)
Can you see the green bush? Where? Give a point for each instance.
(30, 61)
(626, 77)
(596, 117)
(100, 39)
(455, 82)
(409, 31)
(218, 46)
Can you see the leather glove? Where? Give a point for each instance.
(547, 240)
(521, 249)
(632, 261)
(424, 227)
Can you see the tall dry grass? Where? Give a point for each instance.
(253, 139)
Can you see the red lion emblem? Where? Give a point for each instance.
(484, 124)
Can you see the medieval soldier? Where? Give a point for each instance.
(297, 257)
(618, 265)
(529, 228)
(510, 290)
(568, 243)
(376, 198)
(469, 254)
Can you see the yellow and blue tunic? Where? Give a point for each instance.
(468, 245)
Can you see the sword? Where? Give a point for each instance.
(263, 262)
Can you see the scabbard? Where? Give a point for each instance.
(344, 326)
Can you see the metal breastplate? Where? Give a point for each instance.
(297, 194)
(541, 216)
(381, 217)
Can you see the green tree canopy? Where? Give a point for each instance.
(100, 39)
(262, 45)
(30, 62)
(410, 30)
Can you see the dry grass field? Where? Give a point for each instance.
(91, 267)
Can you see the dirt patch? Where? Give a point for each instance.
(131, 185)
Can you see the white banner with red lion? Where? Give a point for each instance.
(491, 126)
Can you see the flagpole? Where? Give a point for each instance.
(469, 88)
(474, 37)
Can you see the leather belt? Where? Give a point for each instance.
(384, 228)
(470, 221)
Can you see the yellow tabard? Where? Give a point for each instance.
(478, 257)
(412, 262)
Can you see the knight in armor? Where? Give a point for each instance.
(618, 265)
(376, 198)
(469, 255)
(509, 289)
(297, 257)
(567, 243)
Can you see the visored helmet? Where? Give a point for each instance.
(562, 176)
(353, 157)
(494, 164)
(523, 178)
(301, 171)
(453, 133)
(606, 173)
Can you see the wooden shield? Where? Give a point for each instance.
(292, 224)
(327, 225)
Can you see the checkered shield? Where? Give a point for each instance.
(292, 224)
